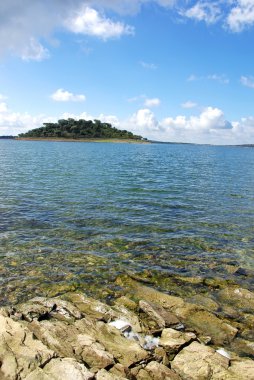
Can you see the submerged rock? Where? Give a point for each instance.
(237, 297)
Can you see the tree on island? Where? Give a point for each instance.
(79, 129)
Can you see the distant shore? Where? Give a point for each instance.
(129, 141)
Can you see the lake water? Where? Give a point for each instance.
(75, 215)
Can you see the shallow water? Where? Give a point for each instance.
(75, 215)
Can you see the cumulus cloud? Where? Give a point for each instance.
(143, 121)
(210, 118)
(209, 12)
(210, 126)
(61, 95)
(247, 81)
(89, 21)
(153, 102)
(241, 15)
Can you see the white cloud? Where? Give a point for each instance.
(220, 78)
(210, 118)
(153, 102)
(3, 97)
(241, 15)
(61, 95)
(210, 126)
(149, 66)
(3, 107)
(89, 21)
(25, 24)
(208, 12)
(34, 51)
(247, 81)
(189, 104)
(142, 121)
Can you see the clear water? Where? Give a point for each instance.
(75, 215)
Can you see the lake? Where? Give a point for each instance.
(76, 215)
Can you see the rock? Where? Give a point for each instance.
(127, 352)
(61, 369)
(128, 316)
(105, 375)
(93, 353)
(90, 307)
(127, 302)
(237, 297)
(205, 322)
(194, 316)
(243, 347)
(152, 313)
(199, 362)
(159, 371)
(162, 317)
(149, 294)
(173, 340)
(206, 302)
(119, 370)
(40, 308)
(68, 341)
(37, 374)
(20, 353)
(240, 369)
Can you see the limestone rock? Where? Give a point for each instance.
(105, 375)
(172, 340)
(194, 316)
(40, 308)
(159, 371)
(240, 369)
(68, 341)
(126, 351)
(152, 313)
(20, 353)
(90, 307)
(199, 362)
(207, 323)
(67, 369)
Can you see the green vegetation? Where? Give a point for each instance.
(79, 129)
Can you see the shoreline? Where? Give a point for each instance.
(144, 334)
(118, 141)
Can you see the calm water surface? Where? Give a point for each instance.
(75, 215)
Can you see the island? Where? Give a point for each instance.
(71, 129)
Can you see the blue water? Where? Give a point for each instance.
(78, 214)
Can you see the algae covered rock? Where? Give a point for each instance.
(238, 297)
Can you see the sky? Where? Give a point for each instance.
(169, 70)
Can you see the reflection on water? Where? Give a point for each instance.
(74, 215)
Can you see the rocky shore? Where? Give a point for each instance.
(144, 334)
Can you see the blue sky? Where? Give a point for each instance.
(169, 70)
